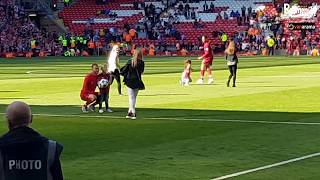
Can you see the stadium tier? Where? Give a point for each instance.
(83, 12)
(166, 27)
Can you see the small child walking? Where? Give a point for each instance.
(104, 91)
(186, 74)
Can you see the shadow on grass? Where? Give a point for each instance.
(180, 113)
(164, 95)
(8, 91)
(158, 143)
(269, 86)
(14, 98)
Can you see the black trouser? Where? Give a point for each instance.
(116, 76)
(233, 73)
(65, 48)
(104, 97)
(271, 51)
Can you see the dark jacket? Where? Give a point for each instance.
(132, 75)
(24, 142)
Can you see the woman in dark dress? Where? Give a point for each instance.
(132, 79)
(232, 62)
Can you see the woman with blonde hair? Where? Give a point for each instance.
(132, 79)
(232, 61)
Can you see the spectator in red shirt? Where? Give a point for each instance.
(207, 59)
(88, 93)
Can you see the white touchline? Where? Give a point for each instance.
(184, 119)
(267, 166)
(30, 72)
(238, 121)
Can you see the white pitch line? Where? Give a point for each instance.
(30, 72)
(267, 166)
(238, 121)
(184, 119)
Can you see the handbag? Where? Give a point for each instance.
(231, 60)
(231, 63)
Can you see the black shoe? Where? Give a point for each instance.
(134, 116)
(129, 115)
(234, 85)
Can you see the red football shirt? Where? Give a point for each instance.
(89, 83)
(207, 56)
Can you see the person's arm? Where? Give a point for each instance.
(111, 78)
(85, 83)
(118, 62)
(56, 170)
(125, 68)
(206, 53)
(188, 69)
(142, 71)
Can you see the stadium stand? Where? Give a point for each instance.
(76, 17)
(166, 25)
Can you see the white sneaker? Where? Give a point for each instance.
(129, 115)
(84, 109)
(109, 111)
(200, 81)
(210, 81)
(100, 111)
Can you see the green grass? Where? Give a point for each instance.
(181, 132)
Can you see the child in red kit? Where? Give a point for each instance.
(186, 74)
(104, 82)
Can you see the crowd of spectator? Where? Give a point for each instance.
(21, 35)
(265, 27)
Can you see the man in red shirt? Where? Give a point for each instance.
(207, 59)
(88, 93)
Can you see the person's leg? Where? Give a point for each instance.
(230, 76)
(100, 100)
(202, 70)
(94, 100)
(90, 100)
(106, 101)
(131, 97)
(134, 101)
(209, 71)
(84, 107)
(234, 73)
(116, 76)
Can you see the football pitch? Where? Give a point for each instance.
(199, 132)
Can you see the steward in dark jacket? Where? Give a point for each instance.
(24, 153)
